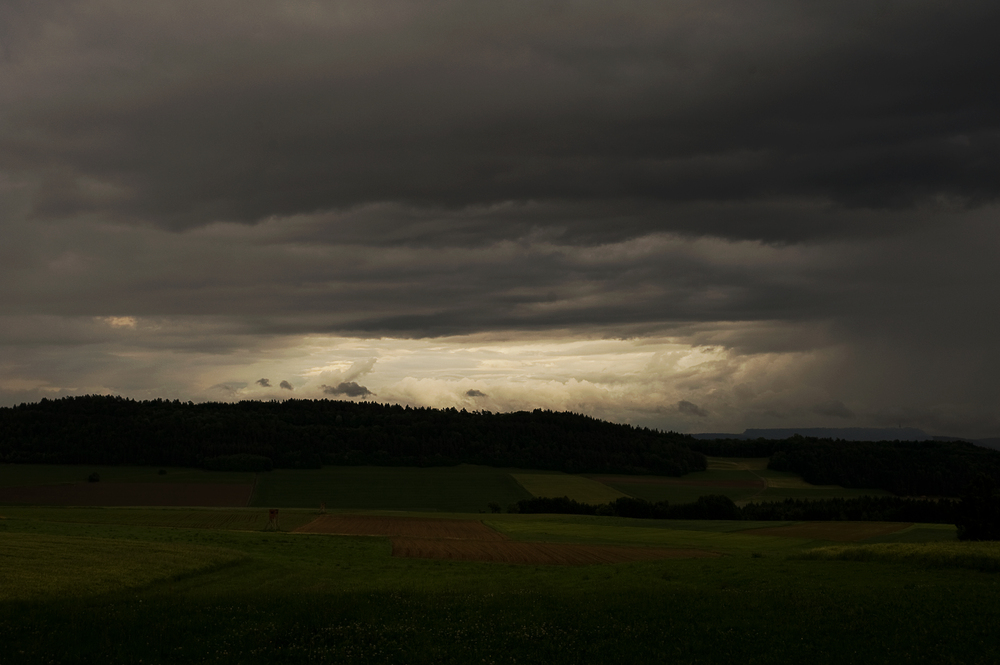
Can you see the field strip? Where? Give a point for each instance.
(578, 488)
(645, 480)
(223, 495)
(410, 527)
(737, 463)
(535, 553)
(837, 531)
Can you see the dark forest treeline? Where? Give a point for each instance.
(257, 436)
(905, 468)
(720, 507)
(310, 433)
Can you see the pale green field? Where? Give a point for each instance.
(984, 556)
(577, 488)
(737, 463)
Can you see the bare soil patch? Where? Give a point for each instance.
(534, 553)
(409, 527)
(837, 531)
(130, 494)
(678, 481)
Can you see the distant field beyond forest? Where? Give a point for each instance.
(450, 488)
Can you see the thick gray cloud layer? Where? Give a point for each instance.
(196, 112)
(771, 179)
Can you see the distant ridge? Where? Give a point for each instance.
(843, 433)
(846, 434)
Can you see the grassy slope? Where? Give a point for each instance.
(294, 598)
(459, 488)
(53, 566)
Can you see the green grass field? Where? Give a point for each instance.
(198, 585)
(131, 585)
(458, 488)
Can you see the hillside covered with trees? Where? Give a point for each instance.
(308, 433)
(905, 468)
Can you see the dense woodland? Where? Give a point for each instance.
(258, 436)
(310, 433)
(905, 468)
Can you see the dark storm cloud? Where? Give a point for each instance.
(663, 111)
(348, 388)
(811, 184)
(474, 393)
(285, 385)
(263, 383)
(690, 409)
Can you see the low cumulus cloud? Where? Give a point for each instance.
(348, 389)
(285, 385)
(474, 393)
(263, 383)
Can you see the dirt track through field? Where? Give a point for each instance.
(130, 494)
(471, 540)
(838, 531)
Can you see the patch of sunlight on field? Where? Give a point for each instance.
(789, 480)
(33, 565)
(983, 556)
(737, 463)
(577, 488)
(716, 541)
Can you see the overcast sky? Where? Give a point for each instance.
(694, 215)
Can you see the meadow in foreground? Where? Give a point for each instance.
(216, 593)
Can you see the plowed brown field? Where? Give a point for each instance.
(130, 494)
(534, 553)
(471, 540)
(839, 531)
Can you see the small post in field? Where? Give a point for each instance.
(272, 522)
